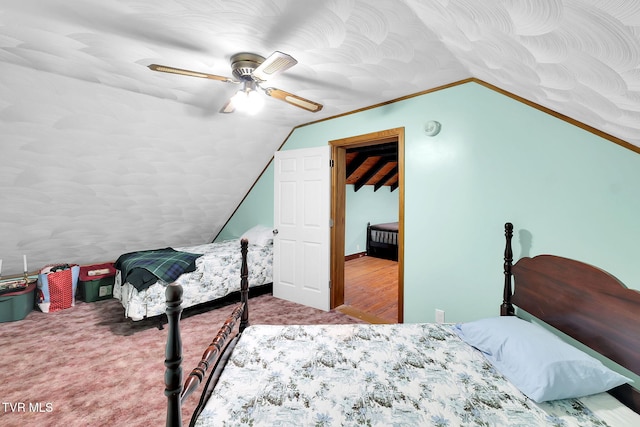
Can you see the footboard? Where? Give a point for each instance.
(175, 391)
(382, 241)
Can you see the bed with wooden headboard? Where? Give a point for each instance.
(584, 302)
(418, 374)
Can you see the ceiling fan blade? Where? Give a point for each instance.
(165, 69)
(276, 63)
(292, 99)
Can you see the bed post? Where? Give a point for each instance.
(173, 356)
(244, 285)
(506, 309)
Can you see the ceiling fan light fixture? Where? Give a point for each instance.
(247, 99)
(255, 102)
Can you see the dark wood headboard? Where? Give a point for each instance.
(580, 300)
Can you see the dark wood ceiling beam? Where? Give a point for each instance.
(355, 164)
(360, 159)
(359, 170)
(385, 178)
(376, 150)
(370, 173)
(387, 155)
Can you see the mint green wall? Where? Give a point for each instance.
(256, 209)
(363, 206)
(567, 191)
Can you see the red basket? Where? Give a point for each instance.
(57, 287)
(60, 290)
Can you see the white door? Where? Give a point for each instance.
(302, 187)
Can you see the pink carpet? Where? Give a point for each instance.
(89, 366)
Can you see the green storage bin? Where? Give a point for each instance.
(16, 305)
(96, 290)
(96, 282)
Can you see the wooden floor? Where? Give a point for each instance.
(371, 289)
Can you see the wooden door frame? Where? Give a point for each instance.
(338, 209)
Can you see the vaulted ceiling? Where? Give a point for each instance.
(578, 57)
(74, 78)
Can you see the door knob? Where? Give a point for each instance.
(275, 231)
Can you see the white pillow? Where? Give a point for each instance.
(540, 364)
(258, 235)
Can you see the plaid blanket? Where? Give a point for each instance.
(143, 268)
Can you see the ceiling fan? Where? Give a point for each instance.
(251, 71)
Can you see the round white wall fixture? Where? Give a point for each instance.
(432, 128)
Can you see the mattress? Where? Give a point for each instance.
(401, 375)
(387, 226)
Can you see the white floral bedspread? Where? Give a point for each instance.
(378, 375)
(217, 274)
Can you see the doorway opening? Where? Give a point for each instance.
(339, 150)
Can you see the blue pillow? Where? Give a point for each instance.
(537, 362)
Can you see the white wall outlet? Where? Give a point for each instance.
(439, 316)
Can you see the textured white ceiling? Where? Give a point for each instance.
(115, 151)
